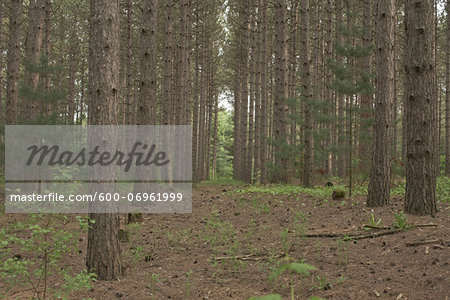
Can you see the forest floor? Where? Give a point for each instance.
(236, 238)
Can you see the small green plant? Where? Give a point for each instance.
(290, 266)
(342, 247)
(187, 285)
(134, 255)
(322, 283)
(372, 220)
(285, 240)
(400, 221)
(153, 282)
(41, 254)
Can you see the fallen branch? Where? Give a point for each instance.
(359, 235)
(247, 257)
(376, 234)
(426, 242)
(390, 227)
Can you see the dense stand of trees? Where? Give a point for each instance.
(344, 88)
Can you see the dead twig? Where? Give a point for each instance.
(426, 242)
(390, 227)
(248, 257)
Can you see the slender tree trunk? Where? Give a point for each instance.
(182, 64)
(379, 186)
(281, 91)
(2, 110)
(71, 104)
(447, 97)
(196, 91)
(264, 101)
(293, 29)
(340, 100)
(251, 120)
(244, 59)
(395, 103)
(168, 64)
(366, 99)
(237, 127)
(103, 249)
(33, 45)
(13, 64)
(306, 93)
(129, 115)
(258, 115)
(216, 123)
(420, 195)
(328, 90)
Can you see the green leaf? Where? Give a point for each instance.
(301, 268)
(268, 297)
(277, 273)
(315, 298)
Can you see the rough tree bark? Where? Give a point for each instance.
(33, 45)
(306, 93)
(420, 197)
(280, 93)
(103, 250)
(263, 66)
(447, 97)
(340, 98)
(366, 99)
(379, 186)
(13, 63)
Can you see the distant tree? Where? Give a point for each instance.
(280, 93)
(306, 93)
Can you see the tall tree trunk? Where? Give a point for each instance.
(103, 249)
(340, 100)
(244, 60)
(183, 66)
(447, 97)
(328, 79)
(306, 93)
(251, 120)
(258, 115)
(216, 129)
(2, 111)
(129, 115)
(366, 99)
(13, 64)
(281, 91)
(292, 78)
(168, 63)
(146, 114)
(264, 100)
(379, 186)
(420, 195)
(237, 126)
(196, 92)
(73, 64)
(33, 45)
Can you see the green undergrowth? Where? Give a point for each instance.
(220, 181)
(321, 193)
(324, 192)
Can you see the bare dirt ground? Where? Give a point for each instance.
(232, 242)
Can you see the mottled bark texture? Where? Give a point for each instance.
(379, 189)
(420, 195)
